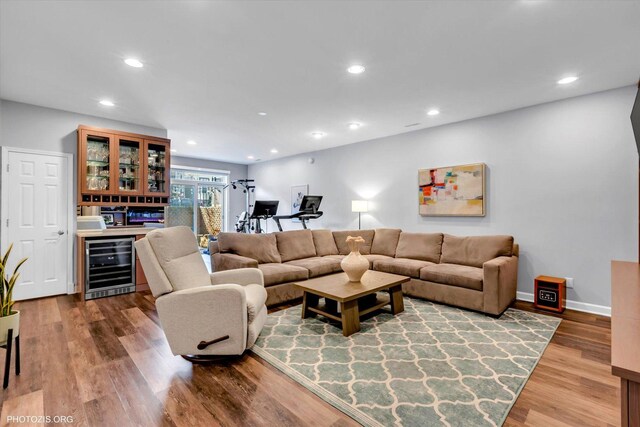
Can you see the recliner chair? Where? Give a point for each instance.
(203, 315)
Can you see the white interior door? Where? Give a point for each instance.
(35, 219)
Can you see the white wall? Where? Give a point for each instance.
(562, 178)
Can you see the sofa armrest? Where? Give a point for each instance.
(500, 283)
(222, 262)
(203, 314)
(240, 276)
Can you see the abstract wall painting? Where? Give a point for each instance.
(452, 191)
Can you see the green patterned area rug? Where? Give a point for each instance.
(430, 365)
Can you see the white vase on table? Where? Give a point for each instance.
(354, 264)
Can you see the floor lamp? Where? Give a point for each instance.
(359, 206)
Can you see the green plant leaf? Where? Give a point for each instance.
(22, 261)
(6, 255)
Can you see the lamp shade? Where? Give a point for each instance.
(359, 206)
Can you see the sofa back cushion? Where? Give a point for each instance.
(421, 246)
(295, 245)
(324, 243)
(261, 247)
(385, 241)
(475, 250)
(178, 255)
(340, 238)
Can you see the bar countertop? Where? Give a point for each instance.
(114, 232)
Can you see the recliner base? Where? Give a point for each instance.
(200, 359)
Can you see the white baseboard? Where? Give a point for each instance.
(572, 305)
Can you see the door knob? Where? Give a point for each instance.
(60, 232)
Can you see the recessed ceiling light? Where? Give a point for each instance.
(433, 112)
(317, 135)
(107, 103)
(133, 62)
(262, 113)
(274, 151)
(567, 80)
(354, 125)
(173, 150)
(250, 157)
(191, 142)
(356, 69)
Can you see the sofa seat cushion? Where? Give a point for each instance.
(374, 257)
(338, 257)
(318, 266)
(256, 298)
(402, 266)
(462, 276)
(295, 244)
(275, 273)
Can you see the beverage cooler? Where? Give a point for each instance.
(109, 267)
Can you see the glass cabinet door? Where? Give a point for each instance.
(158, 165)
(129, 165)
(96, 157)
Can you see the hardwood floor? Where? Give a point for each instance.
(106, 362)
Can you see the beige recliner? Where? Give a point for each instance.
(202, 314)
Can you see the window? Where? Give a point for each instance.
(198, 200)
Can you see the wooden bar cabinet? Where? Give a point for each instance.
(122, 169)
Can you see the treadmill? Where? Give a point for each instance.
(308, 210)
(263, 209)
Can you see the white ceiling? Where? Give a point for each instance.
(210, 67)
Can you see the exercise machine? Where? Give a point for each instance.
(309, 209)
(263, 209)
(243, 222)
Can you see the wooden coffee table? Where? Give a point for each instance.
(356, 298)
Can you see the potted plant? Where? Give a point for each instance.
(9, 319)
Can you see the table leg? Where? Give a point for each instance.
(308, 300)
(18, 355)
(331, 305)
(7, 360)
(395, 297)
(350, 317)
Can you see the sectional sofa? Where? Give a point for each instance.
(478, 273)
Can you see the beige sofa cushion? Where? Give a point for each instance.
(275, 273)
(474, 250)
(261, 247)
(455, 275)
(402, 266)
(179, 257)
(318, 266)
(340, 238)
(295, 245)
(385, 241)
(374, 257)
(324, 243)
(422, 246)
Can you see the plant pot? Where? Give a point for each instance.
(9, 322)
